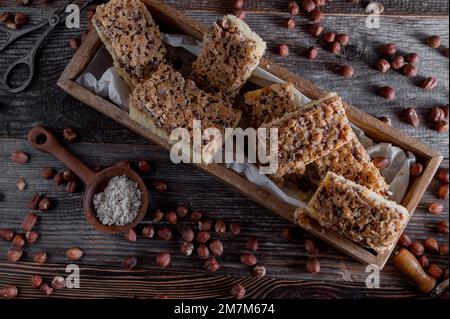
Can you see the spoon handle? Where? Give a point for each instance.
(43, 140)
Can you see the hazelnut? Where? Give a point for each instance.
(148, 231)
(186, 248)
(417, 249)
(443, 175)
(71, 187)
(443, 249)
(19, 157)
(387, 92)
(329, 37)
(58, 179)
(238, 4)
(431, 245)
(290, 24)
(18, 241)
(238, 291)
(196, 216)
(8, 292)
(416, 169)
(74, 43)
(165, 234)
(409, 70)
(286, 234)
(6, 234)
(204, 224)
(129, 263)
(144, 166)
(34, 201)
(293, 7)
(437, 114)
(442, 227)
(397, 62)
(187, 234)
(68, 175)
(157, 216)
(58, 282)
(160, 186)
(203, 251)
(388, 49)
(220, 226)
(443, 191)
(433, 41)
(313, 265)
(45, 289)
(441, 126)
(31, 236)
(69, 134)
(163, 260)
(283, 50)
(335, 48)
(386, 120)
(316, 30)
(412, 58)
(44, 204)
(248, 259)
(343, 39)
(252, 244)
(171, 217)
(412, 117)
(29, 222)
(429, 83)
(211, 265)
(14, 255)
(259, 271)
(203, 237)
(182, 211)
(383, 65)
(435, 271)
(40, 257)
(311, 53)
(346, 71)
(130, 235)
(381, 162)
(311, 248)
(235, 228)
(21, 184)
(36, 281)
(435, 208)
(405, 241)
(74, 253)
(308, 5)
(48, 173)
(423, 261)
(317, 15)
(216, 247)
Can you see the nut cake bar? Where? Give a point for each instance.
(131, 37)
(271, 102)
(230, 52)
(357, 213)
(317, 129)
(167, 101)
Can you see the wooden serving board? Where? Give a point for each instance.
(171, 20)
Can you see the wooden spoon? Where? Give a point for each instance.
(41, 139)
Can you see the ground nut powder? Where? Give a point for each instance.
(119, 204)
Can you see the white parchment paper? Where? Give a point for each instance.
(102, 78)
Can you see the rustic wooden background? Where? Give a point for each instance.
(105, 142)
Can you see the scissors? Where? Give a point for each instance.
(29, 59)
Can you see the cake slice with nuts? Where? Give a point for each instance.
(167, 101)
(271, 102)
(357, 213)
(319, 128)
(131, 37)
(230, 52)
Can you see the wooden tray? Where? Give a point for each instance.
(174, 21)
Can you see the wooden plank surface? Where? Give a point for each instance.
(105, 142)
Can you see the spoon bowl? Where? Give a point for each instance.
(43, 140)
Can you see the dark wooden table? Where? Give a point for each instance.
(102, 141)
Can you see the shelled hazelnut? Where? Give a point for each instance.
(129, 263)
(335, 48)
(431, 245)
(211, 265)
(163, 260)
(416, 169)
(405, 241)
(311, 53)
(74, 253)
(259, 271)
(329, 37)
(388, 49)
(290, 24)
(442, 227)
(433, 41)
(409, 70)
(383, 65)
(443, 191)
(412, 58)
(308, 5)
(186, 248)
(203, 251)
(130, 235)
(397, 62)
(316, 30)
(412, 117)
(40, 257)
(443, 175)
(346, 71)
(187, 234)
(171, 217)
(36, 281)
(252, 244)
(435, 208)
(317, 15)
(238, 291)
(220, 226)
(164, 234)
(313, 265)
(435, 271)
(429, 83)
(387, 92)
(144, 166)
(248, 259)
(294, 8)
(417, 249)
(423, 261)
(283, 50)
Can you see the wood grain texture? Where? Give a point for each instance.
(341, 277)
